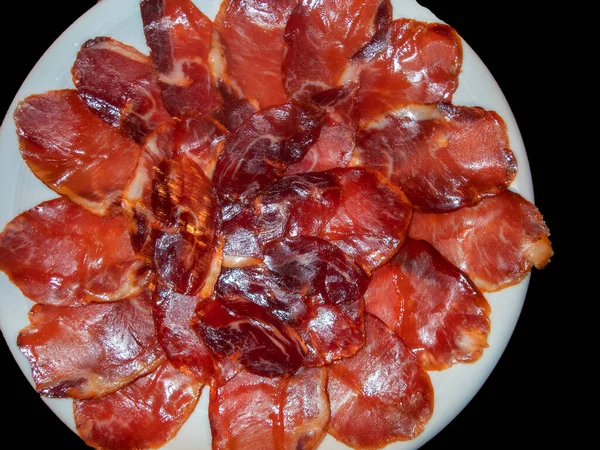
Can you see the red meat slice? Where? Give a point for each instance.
(384, 380)
(338, 136)
(236, 108)
(322, 37)
(293, 206)
(251, 412)
(117, 82)
(73, 151)
(145, 414)
(372, 219)
(58, 253)
(416, 62)
(443, 156)
(437, 310)
(179, 36)
(496, 243)
(93, 350)
(252, 39)
(258, 152)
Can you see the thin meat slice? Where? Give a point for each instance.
(496, 243)
(179, 36)
(437, 310)
(334, 287)
(93, 350)
(73, 151)
(252, 38)
(236, 108)
(443, 156)
(58, 253)
(258, 152)
(117, 82)
(416, 62)
(246, 332)
(323, 36)
(298, 205)
(251, 412)
(145, 414)
(372, 219)
(384, 380)
(338, 136)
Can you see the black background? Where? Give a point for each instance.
(518, 405)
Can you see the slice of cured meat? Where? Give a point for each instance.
(259, 151)
(251, 412)
(117, 82)
(73, 151)
(372, 219)
(437, 310)
(92, 350)
(496, 243)
(145, 414)
(236, 108)
(179, 36)
(58, 253)
(252, 34)
(416, 62)
(384, 380)
(246, 332)
(321, 38)
(443, 156)
(338, 136)
(334, 287)
(294, 206)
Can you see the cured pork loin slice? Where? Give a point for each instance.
(372, 220)
(92, 350)
(252, 412)
(413, 62)
(179, 36)
(144, 414)
(293, 206)
(321, 39)
(338, 136)
(252, 34)
(73, 151)
(117, 82)
(443, 156)
(384, 381)
(258, 152)
(496, 243)
(437, 310)
(58, 253)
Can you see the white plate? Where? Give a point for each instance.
(20, 190)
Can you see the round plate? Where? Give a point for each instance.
(454, 387)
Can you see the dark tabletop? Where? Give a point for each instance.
(516, 406)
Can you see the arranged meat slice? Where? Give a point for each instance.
(144, 414)
(246, 332)
(251, 411)
(93, 350)
(334, 287)
(179, 36)
(338, 136)
(258, 152)
(58, 253)
(294, 206)
(252, 34)
(496, 243)
(73, 151)
(372, 220)
(416, 62)
(384, 380)
(437, 310)
(321, 38)
(236, 108)
(443, 156)
(117, 82)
